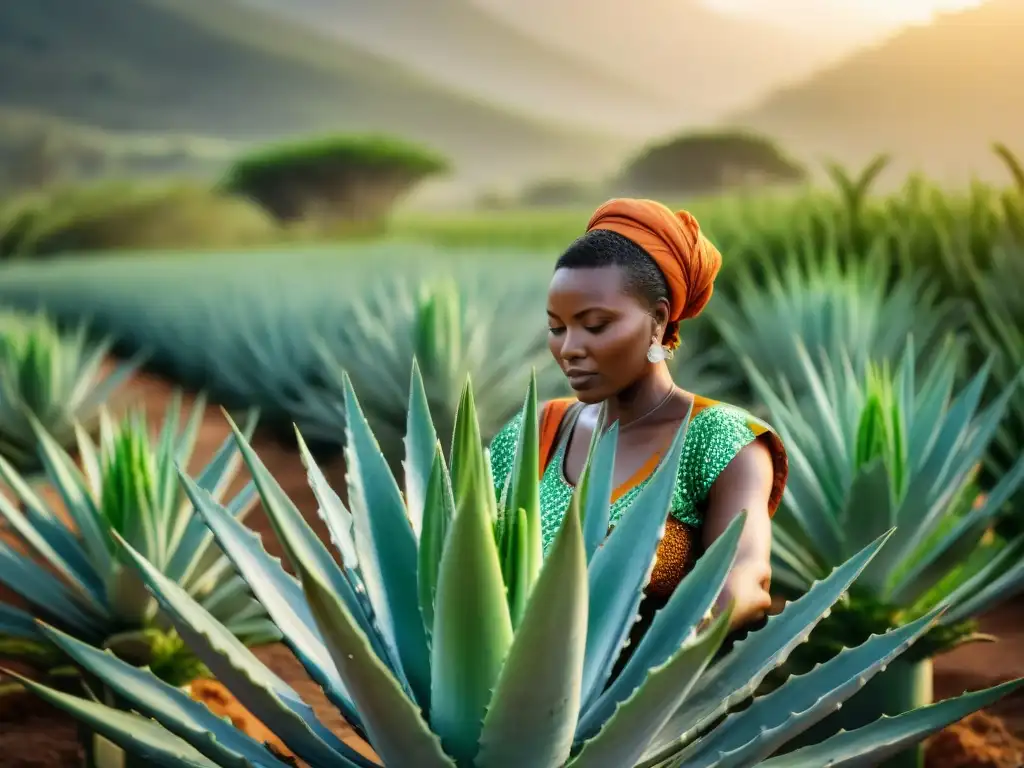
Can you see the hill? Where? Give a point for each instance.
(465, 47)
(702, 63)
(934, 96)
(223, 70)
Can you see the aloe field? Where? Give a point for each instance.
(361, 382)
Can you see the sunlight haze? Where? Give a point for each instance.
(881, 13)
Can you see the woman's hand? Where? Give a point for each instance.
(746, 483)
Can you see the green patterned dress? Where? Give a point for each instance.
(717, 432)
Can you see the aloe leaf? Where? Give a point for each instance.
(919, 499)
(962, 463)
(524, 491)
(233, 597)
(790, 555)
(868, 514)
(467, 458)
(620, 569)
(42, 517)
(871, 744)
(744, 738)
(74, 492)
(216, 476)
(815, 514)
(15, 622)
(174, 709)
(101, 392)
(392, 721)
(304, 544)
(165, 482)
(672, 625)
(517, 580)
(532, 716)
(809, 502)
(268, 697)
(737, 676)
(596, 489)
(386, 546)
(472, 626)
(43, 590)
(628, 733)
(341, 527)
(438, 511)
(89, 456)
(955, 546)
(978, 595)
(834, 430)
(189, 538)
(278, 592)
(137, 735)
(84, 583)
(928, 407)
(420, 439)
(184, 441)
(207, 565)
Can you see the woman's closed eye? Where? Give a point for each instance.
(592, 329)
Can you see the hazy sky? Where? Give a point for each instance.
(804, 13)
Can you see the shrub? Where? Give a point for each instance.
(131, 216)
(709, 162)
(340, 178)
(557, 192)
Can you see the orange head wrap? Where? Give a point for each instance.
(685, 256)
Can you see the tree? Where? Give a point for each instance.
(709, 162)
(339, 178)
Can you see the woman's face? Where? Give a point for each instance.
(597, 332)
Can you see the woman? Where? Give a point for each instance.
(615, 304)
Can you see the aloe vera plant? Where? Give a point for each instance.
(449, 328)
(445, 640)
(889, 449)
(125, 489)
(883, 449)
(828, 305)
(999, 333)
(51, 377)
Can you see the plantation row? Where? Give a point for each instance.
(881, 337)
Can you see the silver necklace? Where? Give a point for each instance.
(650, 412)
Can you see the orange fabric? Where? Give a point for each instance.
(685, 256)
(677, 553)
(550, 420)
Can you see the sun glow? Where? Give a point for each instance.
(886, 12)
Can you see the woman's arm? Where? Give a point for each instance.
(746, 483)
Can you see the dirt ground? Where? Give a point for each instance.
(33, 735)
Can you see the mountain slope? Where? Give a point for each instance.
(219, 69)
(465, 47)
(701, 62)
(934, 96)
